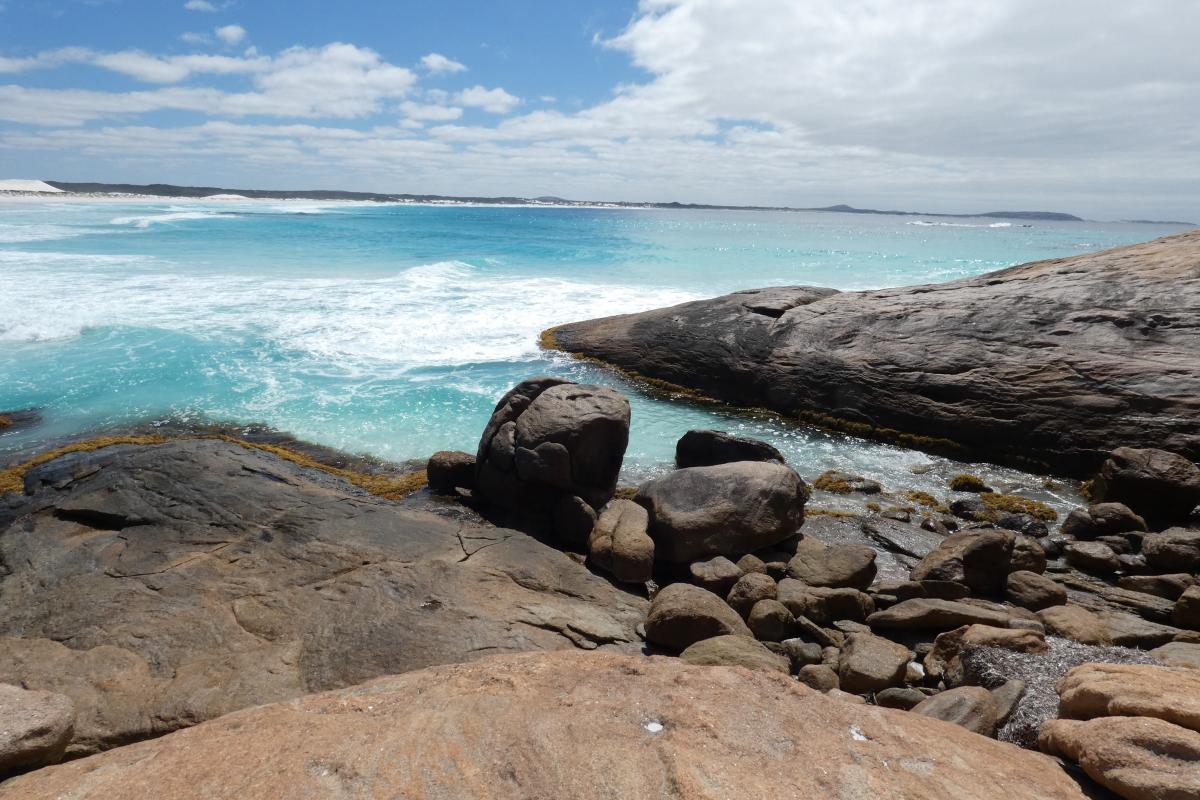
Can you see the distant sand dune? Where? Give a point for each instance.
(16, 185)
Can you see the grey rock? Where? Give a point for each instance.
(1094, 557)
(682, 614)
(449, 470)
(929, 614)
(1101, 519)
(770, 621)
(844, 565)
(1173, 550)
(1162, 487)
(819, 677)
(749, 589)
(735, 651)
(35, 728)
(574, 521)
(705, 448)
(971, 707)
(728, 509)
(801, 653)
(1187, 609)
(901, 697)
(1169, 586)
(977, 559)
(717, 574)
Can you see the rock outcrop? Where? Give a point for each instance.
(569, 726)
(160, 586)
(1055, 362)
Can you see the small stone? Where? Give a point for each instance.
(749, 589)
(1033, 591)
(818, 676)
(818, 564)
(718, 575)
(899, 697)
(771, 621)
(801, 653)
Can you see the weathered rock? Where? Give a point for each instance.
(942, 660)
(1027, 555)
(1160, 486)
(449, 470)
(838, 482)
(718, 574)
(1008, 696)
(620, 543)
(735, 651)
(1169, 586)
(1033, 591)
(771, 621)
(1187, 609)
(751, 563)
(1093, 557)
(548, 438)
(971, 365)
(1178, 654)
(1101, 519)
(901, 697)
(980, 560)
(837, 565)
(818, 676)
(704, 448)
(970, 707)
(35, 728)
(936, 615)
(665, 727)
(1137, 757)
(197, 577)
(682, 614)
(801, 653)
(824, 605)
(870, 663)
(749, 589)
(573, 521)
(1131, 690)
(728, 509)
(1173, 550)
(1075, 623)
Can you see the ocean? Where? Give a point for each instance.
(392, 330)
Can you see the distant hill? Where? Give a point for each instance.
(170, 190)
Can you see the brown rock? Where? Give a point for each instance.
(977, 559)
(448, 470)
(821, 677)
(1137, 757)
(823, 605)
(870, 663)
(936, 615)
(971, 707)
(716, 574)
(1162, 487)
(1094, 557)
(749, 589)
(1075, 623)
(845, 565)
(1178, 654)
(1033, 591)
(771, 621)
(941, 660)
(1131, 690)
(682, 614)
(620, 544)
(735, 651)
(1173, 550)
(653, 727)
(35, 728)
(1169, 586)
(1187, 609)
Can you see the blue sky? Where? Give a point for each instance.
(930, 104)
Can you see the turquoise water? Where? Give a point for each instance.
(392, 330)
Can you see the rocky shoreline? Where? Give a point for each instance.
(1046, 366)
(178, 601)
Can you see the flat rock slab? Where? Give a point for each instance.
(1055, 362)
(161, 586)
(1132, 690)
(569, 726)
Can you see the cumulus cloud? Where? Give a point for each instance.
(230, 34)
(436, 62)
(495, 101)
(432, 112)
(199, 5)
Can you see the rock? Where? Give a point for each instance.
(977, 559)
(838, 482)
(801, 653)
(718, 574)
(751, 563)
(970, 707)
(1173, 550)
(1160, 486)
(935, 615)
(1033, 591)
(1027, 555)
(35, 728)
(771, 621)
(548, 438)
(728, 509)
(1169, 586)
(735, 651)
(449, 470)
(702, 448)
(898, 537)
(965, 482)
(620, 544)
(1178, 654)
(1093, 557)
(1075, 623)
(197, 577)
(466, 731)
(818, 676)
(1102, 519)
(681, 615)
(749, 589)
(1136, 757)
(972, 366)
(900, 697)
(818, 564)
(870, 663)
(942, 660)
(1131, 690)
(1187, 609)
(823, 605)
(573, 521)
(1008, 696)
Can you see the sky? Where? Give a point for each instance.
(1081, 106)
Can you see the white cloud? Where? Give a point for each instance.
(436, 62)
(199, 5)
(430, 112)
(230, 34)
(496, 101)
(191, 37)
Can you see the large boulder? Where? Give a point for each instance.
(833, 565)
(931, 614)
(193, 578)
(1173, 550)
(1131, 690)
(1033, 591)
(548, 439)
(35, 728)
(971, 707)
(620, 544)
(1138, 758)
(944, 659)
(869, 663)
(735, 651)
(1101, 519)
(564, 726)
(978, 559)
(1160, 486)
(703, 448)
(448, 470)
(682, 614)
(727, 509)
(1186, 613)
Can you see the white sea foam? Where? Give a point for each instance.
(177, 215)
(928, 224)
(17, 233)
